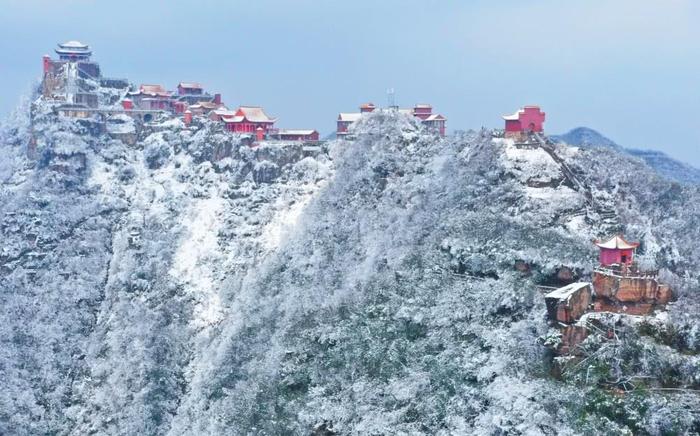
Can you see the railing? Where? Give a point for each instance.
(110, 82)
(627, 272)
(115, 110)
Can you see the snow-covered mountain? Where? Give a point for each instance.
(586, 137)
(663, 164)
(183, 283)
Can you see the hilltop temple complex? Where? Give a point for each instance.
(423, 112)
(72, 81)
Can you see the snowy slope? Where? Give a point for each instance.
(188, 284)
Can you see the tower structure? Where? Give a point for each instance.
(74, 51)
(391, 99)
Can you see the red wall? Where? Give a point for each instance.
(422, 113)
(188, 91)
(530, 119)
(180, 107)
(46, 64)
(245, 127)
(610, 256)
(343, 126)
(438, 125)
(513, 126)
(159, 104)
(240, 127)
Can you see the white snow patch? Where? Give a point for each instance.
(281, 226)
(530, 164)
(546, 193)
(192, 264)
(577, 225)
(101, 175)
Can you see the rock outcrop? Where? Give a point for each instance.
(624, 291)
(569, 303)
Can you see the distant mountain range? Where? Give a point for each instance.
(660, 162)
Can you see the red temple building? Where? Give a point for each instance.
(74, 51)
(616, 251)
(192, 93)
(527, 120)
(152, 97)
(188, 96)
(247, 119)
(367, 107)
(346, 119)
(189, 88)
(220, 114)
(344, 122)
(179, 107)
(203, 107)
(423, 112)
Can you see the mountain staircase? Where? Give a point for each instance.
(610, 220)
(608, 215)
(569, 174)
(574, 214)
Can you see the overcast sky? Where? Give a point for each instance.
(629, 69)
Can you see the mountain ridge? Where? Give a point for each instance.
(178, 281)
(659, 161)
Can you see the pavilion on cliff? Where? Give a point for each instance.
(616, 251)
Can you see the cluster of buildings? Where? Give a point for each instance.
(518, 126)
(190, 100)
(65, 80)
(423, 112)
